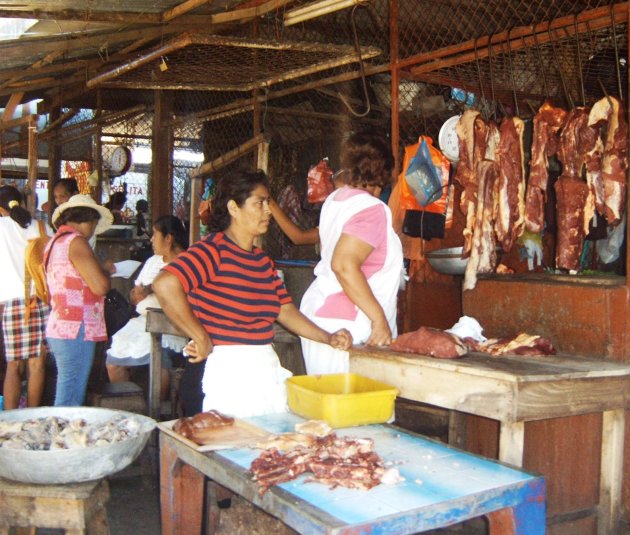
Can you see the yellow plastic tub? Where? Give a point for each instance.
(341, 399)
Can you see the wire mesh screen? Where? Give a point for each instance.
(516, 54)
(501, 57)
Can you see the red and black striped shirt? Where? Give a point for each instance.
(236, 294)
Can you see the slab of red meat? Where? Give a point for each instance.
(547, 123)
(433, 342)
(609, 113)
(465, 173)
(483, 255)
(571, 195)
(510, 185)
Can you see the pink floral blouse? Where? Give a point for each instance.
(72, 302)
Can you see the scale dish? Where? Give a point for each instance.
(448, 261)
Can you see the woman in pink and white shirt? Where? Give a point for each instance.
(358, 276)
(77, 285)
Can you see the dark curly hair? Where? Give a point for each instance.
(367, 158)
(18, 213)
(235, 187)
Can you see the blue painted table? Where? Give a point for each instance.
(443, 486)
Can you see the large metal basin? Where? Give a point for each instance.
(72, 465)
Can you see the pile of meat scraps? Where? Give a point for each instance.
(334, 461)
(521, 344)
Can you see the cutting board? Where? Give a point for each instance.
(240, 434)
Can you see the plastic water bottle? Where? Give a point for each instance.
(1, 403)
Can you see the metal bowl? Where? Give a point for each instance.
(52, 467)
(448, 261)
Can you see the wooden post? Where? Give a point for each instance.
(54, 160)
(31, 195)
(97, 191)
(162, 161)
(393, 49)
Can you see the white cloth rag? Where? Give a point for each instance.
(468, 327)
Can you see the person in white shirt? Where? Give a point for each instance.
(131, 345)
(25, 344)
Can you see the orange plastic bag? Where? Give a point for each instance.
(407, 198)
(319, 182)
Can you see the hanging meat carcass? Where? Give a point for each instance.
(483, 255)
(575, 204)
(465, 173)
(478, 140)
(510, 184)
(547, 123)
(610, 192)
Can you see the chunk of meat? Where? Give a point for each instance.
(547, 123)
(483, 255)
(433, 342)
(465, 173)
(510, 184)
(608, 112)
(193, 426)
(571, 197)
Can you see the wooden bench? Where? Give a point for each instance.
(78, 508)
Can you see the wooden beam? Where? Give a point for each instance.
(60, 120)
(175, 44)
(9, 109)
(230, 156)
(520, 37)
(237, 104)
(182, 8)
(12, 123)
(248, 13)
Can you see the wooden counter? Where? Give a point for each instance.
(514, 390)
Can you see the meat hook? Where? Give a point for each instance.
(494, 105)
(540, 60)
(616, 49)
(357, 47)
(509, 47)
(483, 93)
(567, 95)
(601, 85)
(579, 59)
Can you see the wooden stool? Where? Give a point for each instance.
(79, 508)
(126, 396)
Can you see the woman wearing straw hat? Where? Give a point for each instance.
(77, 285)
(22, 329)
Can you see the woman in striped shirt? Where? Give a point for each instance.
(225, 294)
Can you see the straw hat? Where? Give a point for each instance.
(77, 200)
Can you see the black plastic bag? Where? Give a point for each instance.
(117, 311)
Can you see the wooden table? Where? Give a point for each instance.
(443, 486)
(514, 390)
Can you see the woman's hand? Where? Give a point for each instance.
(138, 293)
(381, 334)
(342, 339)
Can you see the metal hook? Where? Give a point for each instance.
(540, 60)
(509, 47)
(357, 47)
(594, 45)
(579, 59)
(614, 30)
(483, 93)
(567, 96)
(494, 107)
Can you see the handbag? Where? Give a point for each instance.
(117, 311)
